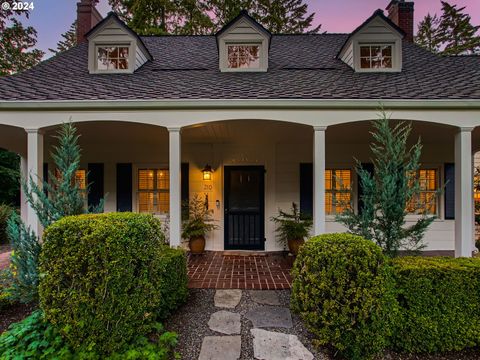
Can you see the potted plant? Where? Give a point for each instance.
(198, 223)
(292, 228)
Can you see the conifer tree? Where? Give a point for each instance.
(285, 16)
(69, 40)
(391, 192)
(51, 201)
(456, 31)
(428, 33)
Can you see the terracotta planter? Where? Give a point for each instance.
(294, 245)
(197, 245)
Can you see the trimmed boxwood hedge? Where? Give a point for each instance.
(106, 279)
(342, 291)
(439, 302)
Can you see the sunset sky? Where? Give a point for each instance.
(53, 17)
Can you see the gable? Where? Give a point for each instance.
(378, 29)
(113, 32)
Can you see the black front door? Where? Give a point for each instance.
(244, 208)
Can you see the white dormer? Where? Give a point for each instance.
(243, 45)
(375, 46)
(115, 48)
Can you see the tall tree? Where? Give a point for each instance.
(456, 31)
(223, 11)
(17, 52)
(285, 16)
(428, 33)
(69, 40)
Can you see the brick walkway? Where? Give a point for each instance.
(215, 270)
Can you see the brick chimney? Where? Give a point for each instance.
(87, 17)
(401, 13)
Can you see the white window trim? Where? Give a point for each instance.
(353, 191)
(224, 55)
(396, 56)
(93, 57)
(135, 168)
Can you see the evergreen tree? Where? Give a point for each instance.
(456, 31)
(9, 177)
(69, 40)
(391, 193)
(223, 11)
(285, 16)
(428, 33)
(51, 201)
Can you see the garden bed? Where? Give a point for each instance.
(14, 313)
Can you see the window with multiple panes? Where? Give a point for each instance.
(243, 56)
(376, 56)
(112, 57)
(426, 202)
(338, 190)
(153, 191)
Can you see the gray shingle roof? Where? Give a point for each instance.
(300, 67)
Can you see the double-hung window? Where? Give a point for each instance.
(153, 191)
(426, 202)
(338, 190)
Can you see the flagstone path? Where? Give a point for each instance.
(235, 324)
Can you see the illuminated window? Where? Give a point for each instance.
(243, 56)
(153, 191)
(338, 190)
(81, 179)
(112, 57)
(426, 203)
(376, 56)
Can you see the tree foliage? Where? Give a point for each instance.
(391, 192)
(451, 34)
(195, 17)
(9, 177)
(69, 40)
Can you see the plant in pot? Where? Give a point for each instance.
(292, 228)
(198, 223)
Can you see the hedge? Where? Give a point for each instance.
(439, 302)
(342, 291)
(108, 278)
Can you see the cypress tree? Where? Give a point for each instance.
(428, 35)
(69, 40)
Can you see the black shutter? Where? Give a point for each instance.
(95, 181)
(306, 189)
(45, 177)
(124, 187)
(450, 191)
(185, 186)
(370, 169)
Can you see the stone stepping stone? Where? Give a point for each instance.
(265, 297)
(268, 345)
(220, 348)
(227, 298)
(270, 317)
(225, 322)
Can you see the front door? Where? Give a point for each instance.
(244, 208)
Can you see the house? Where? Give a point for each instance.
(249, 121)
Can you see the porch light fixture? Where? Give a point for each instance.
(207, 172)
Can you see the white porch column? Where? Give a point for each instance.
(319, 180)
(175, 187)
(23, 198)
(463, 193)
(34, 170)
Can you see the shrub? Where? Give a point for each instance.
(107, 278)
(34, 338)
(439, 302)
(342, 291)
(5, 212)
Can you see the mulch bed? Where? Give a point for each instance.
(14, 313)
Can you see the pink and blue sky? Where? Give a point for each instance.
(53, 17)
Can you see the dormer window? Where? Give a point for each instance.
(243, 56)
(376, 56)
(112, 58)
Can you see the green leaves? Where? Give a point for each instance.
(392, 192)
(293, 225)
(108, 278)
(199, 221)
